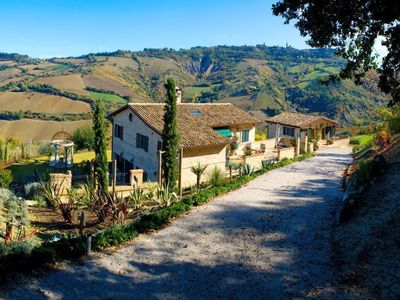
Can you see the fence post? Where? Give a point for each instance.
(159, 171)
(114, 177)
(88, 245)
(180, 172)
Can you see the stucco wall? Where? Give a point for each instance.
(127, 148)
(286, 153)
(237, 132)
(272, 130)
(210, 156)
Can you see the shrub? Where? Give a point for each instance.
(382, 139)
(40, 201)
(363, 172)
(216, 177)
(260, 135)
(234, 145)
(6, 178)
(247, 151)
(354, 141)
(83, 138)
(31, 189)
(13, 212)
(44, 149)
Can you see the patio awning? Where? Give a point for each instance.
(224, 131)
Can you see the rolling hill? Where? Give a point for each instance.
(256, 78)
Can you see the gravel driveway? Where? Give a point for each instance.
(268, 240)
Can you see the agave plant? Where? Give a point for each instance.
(247, 170)
(137, 197)
(198, 170)
(165, 197)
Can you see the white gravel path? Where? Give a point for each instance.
(268, 240)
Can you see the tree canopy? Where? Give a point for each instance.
(352, 28)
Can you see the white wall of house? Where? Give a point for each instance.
(238, 133)
(275, 130)
(210, 156)
(127, 149)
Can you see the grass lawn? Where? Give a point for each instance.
(27, 168)
(361, 140)
(111, 98)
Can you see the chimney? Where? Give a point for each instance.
(178, 92)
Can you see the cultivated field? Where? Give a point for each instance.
(100, 82)
(37, 130)
(36, 102)
(66, 82)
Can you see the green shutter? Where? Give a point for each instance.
(225, 132)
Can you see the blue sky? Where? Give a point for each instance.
(48, 28)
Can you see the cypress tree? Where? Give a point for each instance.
(170, 136)
(100, 146)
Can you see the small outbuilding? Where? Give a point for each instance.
(290, 125)
(62, 150)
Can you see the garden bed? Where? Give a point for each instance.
(19, 257)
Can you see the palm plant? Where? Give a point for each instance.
(198, 170)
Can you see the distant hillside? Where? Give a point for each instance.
(256, 78)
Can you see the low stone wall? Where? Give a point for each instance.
(310, 147)
(286, 153)
(61, 182)
(136, 178)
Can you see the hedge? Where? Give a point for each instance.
(72, 247)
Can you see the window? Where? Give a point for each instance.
(289, 131)
(142, 142)
(130, 117)
(159, 145)
(245, 136)
(119, 131)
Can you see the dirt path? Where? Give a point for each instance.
(268, 240)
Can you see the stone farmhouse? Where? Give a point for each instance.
(206, 131)
(288, 127)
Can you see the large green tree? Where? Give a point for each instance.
(170, 136)
(100, 128)
(352, 27)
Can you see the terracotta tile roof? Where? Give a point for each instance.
(195, 121)
(297, 119)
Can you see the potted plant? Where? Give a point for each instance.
(233, 147)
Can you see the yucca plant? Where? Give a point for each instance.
(198, 170)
